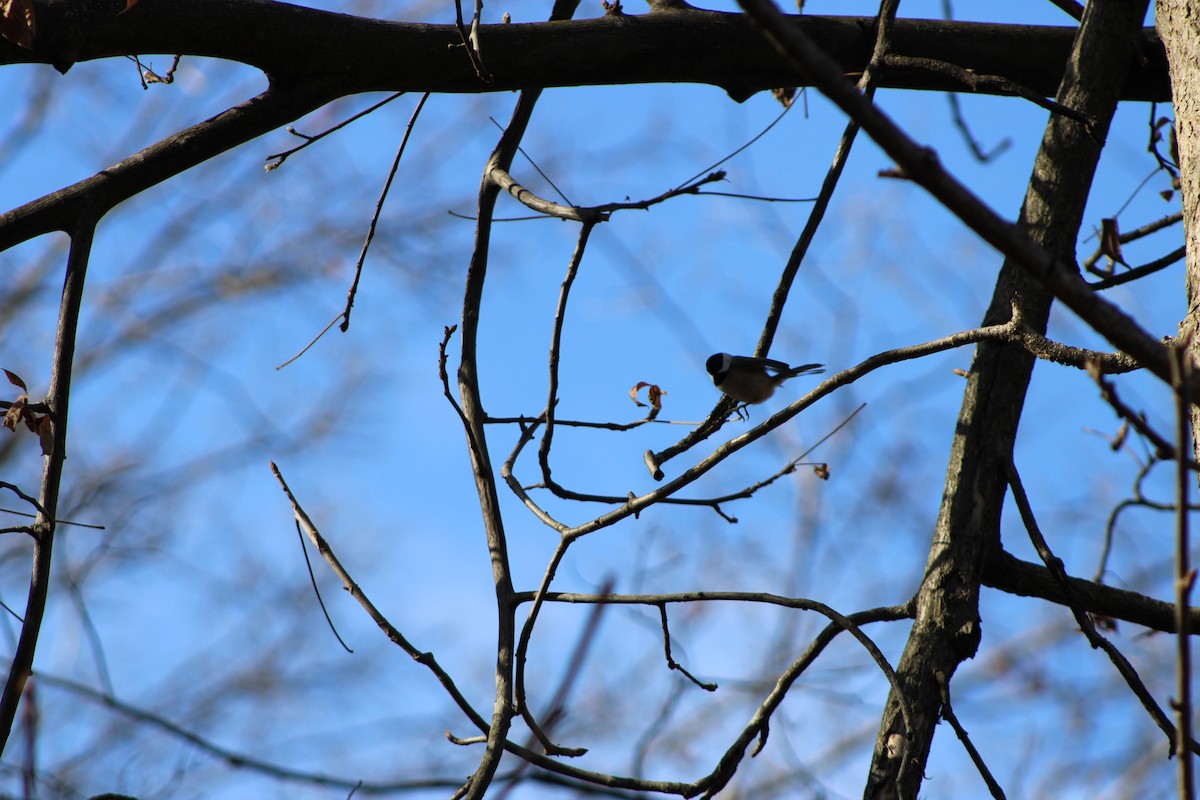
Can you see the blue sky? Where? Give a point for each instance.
(195, 588)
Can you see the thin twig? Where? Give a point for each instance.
(393, 633)
(672, 664)
(312, 577)
(470, 39)
(522, 653)
(1136, 273)
(280, 157)
(312, 341)
(712, 167)
(1185, 579)
(344, 317)
(961, 732)
(560, 318)
(960, 122)
(387, 185)
(231, 757)
(992, 84)
(21, 666)
(556, 708)
(1164, 448)
(1095, 639)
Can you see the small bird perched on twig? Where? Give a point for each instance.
(752, 380)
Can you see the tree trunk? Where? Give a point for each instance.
(947, 627)
(1179, 27)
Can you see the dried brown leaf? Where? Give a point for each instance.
(654, 395)
(1110, 240)
(633, 393)
(15, 380)
(15, 412)
(45, 431)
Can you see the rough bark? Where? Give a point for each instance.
(1178, 24)
(947, 627)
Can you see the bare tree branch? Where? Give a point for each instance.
(680, 45)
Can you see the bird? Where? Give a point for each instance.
(752, 380)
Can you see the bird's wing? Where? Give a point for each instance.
(768, 363)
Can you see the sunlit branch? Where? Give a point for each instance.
(474, 418)
(506, 472)
(556, 708)
(470, 40)
(560, 318)
(590, 215)
(502, 179)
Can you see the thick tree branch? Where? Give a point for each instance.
(291, 43)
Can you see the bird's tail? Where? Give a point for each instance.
(804, 369)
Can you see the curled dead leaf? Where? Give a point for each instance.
(19, 411)
(44, 430)
(1110, 241)
(15, 412)
(654, 395)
